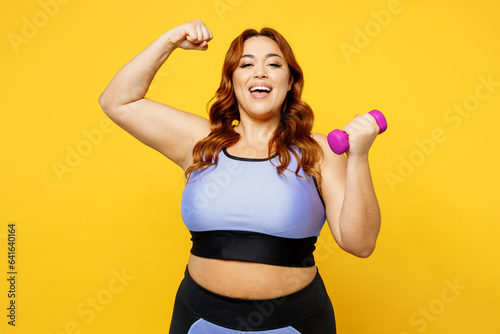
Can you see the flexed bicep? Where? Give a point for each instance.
(168, 130)
(171, 131)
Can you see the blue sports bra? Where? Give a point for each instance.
(242, 209)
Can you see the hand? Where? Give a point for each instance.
(193, 35)
(362, 131)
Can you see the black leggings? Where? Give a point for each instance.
(200, 311)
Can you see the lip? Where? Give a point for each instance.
(257, 95)
(260, 84)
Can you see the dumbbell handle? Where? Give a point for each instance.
(339, 140)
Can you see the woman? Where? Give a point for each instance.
(259, 185)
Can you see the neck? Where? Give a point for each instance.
(256, 132)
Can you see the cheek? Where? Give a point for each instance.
(239, 94)
(284, 80)
(238, 82)
(285, 84)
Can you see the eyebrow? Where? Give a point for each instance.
(267, 56)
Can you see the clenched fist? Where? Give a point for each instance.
(193, 35)
(362, 132)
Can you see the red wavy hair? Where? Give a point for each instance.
(294, 128)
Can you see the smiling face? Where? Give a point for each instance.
(262, 79)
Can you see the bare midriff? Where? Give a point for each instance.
(248, 280)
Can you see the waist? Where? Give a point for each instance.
(254, 247)
(248, 280)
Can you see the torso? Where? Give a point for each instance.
(248, 280)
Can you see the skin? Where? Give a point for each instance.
(352, 209)
(259, 117)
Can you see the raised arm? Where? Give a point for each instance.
(352, 208)
(170, 131)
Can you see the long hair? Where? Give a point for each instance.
(294, 128)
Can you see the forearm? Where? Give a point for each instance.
(360, 214)
(132, 81)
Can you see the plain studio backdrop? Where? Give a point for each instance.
(100, 244)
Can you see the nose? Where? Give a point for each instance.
(260, 72)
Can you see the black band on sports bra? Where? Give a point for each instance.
(254, 247)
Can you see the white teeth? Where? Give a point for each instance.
(260, 88)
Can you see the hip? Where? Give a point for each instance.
(198, 310)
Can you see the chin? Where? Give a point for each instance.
(263, 113)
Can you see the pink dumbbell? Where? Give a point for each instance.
(339, 140)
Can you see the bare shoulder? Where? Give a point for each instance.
(331, 161)
(320, 138)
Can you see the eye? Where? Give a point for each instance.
(275, 65)
(245, 65)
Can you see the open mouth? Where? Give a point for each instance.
(260, 91)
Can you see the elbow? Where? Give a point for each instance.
(100, 101)
(109, 108)
(362, 251)
(365, 252)
(105, 104)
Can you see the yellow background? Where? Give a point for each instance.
(117, 210)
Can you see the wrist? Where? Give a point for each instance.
(167, 42)
(357, 158)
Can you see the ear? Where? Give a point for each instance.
(290, 82)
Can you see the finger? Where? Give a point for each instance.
(210, 33)
(191, 33)
(203, 46)
(199, 33)
(357, 124)
(366, 119)
(365, 125)
(373, 121)
(206, 33)
(202, 29)
(349, 128)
